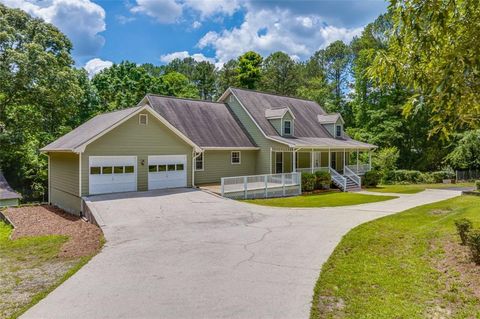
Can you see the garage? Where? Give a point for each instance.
(167, 171)
(112, 174)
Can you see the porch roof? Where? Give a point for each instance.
(323, 142)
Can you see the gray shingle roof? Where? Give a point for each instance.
(88, 130)
(308, 130)
(329, 118)
(6, 192)
(207, 124)
(275, 113)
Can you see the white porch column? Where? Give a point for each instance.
(344, 152)
(294, 161)
(311, 160)
(357, 160)
(329, 158)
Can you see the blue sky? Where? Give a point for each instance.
(156, 31)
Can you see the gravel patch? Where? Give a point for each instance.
(85, 239)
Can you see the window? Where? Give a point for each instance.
(106, 170)
(338, 131)
(235, 159)
(129, 169)
(118, 170)
(171, 167)
(152, 168)
(162, 168)
(199, 162)
(95, 170)
(179, 167)
(143, 119)
(287, 128)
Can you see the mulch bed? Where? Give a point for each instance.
(85, 239)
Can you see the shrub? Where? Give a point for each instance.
(474, 245)
(308, 182)
(439, 176)
(322, 180)
(464, 226)
(371, 178)
(477, 185)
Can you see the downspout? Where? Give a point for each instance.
(49, 185)
(194, 157)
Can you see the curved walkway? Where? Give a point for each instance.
(190, 254)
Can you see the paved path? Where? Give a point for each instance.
(189, 254)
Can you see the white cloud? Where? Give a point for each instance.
(196, 24)
(266, 31)
(163, 11)
(96, 65)
(199, 57)
(211, 7)
(80, 20)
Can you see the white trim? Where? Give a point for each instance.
(49, 181)
(203, 162)
(239, 157)
(80, 175)
(81, 148)
(140, 119)
(194, 158)
(241, 148)
(341, 130)
(251, 118)
(291, 128)
(135, 169)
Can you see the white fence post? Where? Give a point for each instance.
(283, 184)
(223, 186)
(266, 185)
(245, 190)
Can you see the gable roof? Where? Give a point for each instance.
(207, 124)
(277, 113)
(6, 192)
(329, 118)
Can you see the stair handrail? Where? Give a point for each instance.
(354, 177)
(337, 177)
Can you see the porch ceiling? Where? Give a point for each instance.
(323, 143)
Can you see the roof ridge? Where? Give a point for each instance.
(274, 94)
(182, 98)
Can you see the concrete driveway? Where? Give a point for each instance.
(190, 254)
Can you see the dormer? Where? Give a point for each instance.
(282, 119)
(333, 123)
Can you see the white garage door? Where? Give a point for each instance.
(112, 174)
(167, 171)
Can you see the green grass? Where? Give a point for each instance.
(388, 268)
(330, 199)
(29, 269)
(413, 188)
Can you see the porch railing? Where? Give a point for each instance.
(360, 169)
(261, 186)
(309, 169)
(338, 179)
(354, 177)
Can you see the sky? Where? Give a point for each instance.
(157, 31)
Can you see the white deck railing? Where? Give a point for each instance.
(354, 177)
(338, 179)
(262, 186)
(310, 170)
(360, 169)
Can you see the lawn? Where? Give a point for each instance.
(329, 199)
(413, 188)
(407, 265)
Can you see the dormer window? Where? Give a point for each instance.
(338, 131)
(143, 119)
(287, 128)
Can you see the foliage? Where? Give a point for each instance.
(477, 185)
(308, 182)
(466, 154)
(434, 54)
(413, 188)
(464, 226)
(372, 178)
(322, 180)
(385, 160)
(474, 245)
(249, 69)
(204, 77)
(439, 176)
(228, 76)
(279, 74)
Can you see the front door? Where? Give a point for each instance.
(278, 162)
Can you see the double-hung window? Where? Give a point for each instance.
(199, 162)
(235, 158)
(338, 131)
(287, 128)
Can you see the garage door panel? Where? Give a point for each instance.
(112, 174)
(167, 171)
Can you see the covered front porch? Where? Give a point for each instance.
(343, 161)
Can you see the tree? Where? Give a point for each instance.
(434, 53)
(249, 69)
(204, 78)
(466, 154)
(337, 58)
(177, 84)
(228, 76)
(280, 74)
(38, 94)
(314, 85)
(186, 67)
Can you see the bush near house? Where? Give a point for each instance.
(371, 178)
(464, 226)
(416, 177)
(308, 182)
(474, 245)
(322, 180)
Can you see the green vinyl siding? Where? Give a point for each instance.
(64, 181)
(217, 164)
(9, 202)
(264, 160)
(133, 139)
(288, 117)
(277, 124)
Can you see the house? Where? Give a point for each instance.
(167, 142)
(8, 197)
